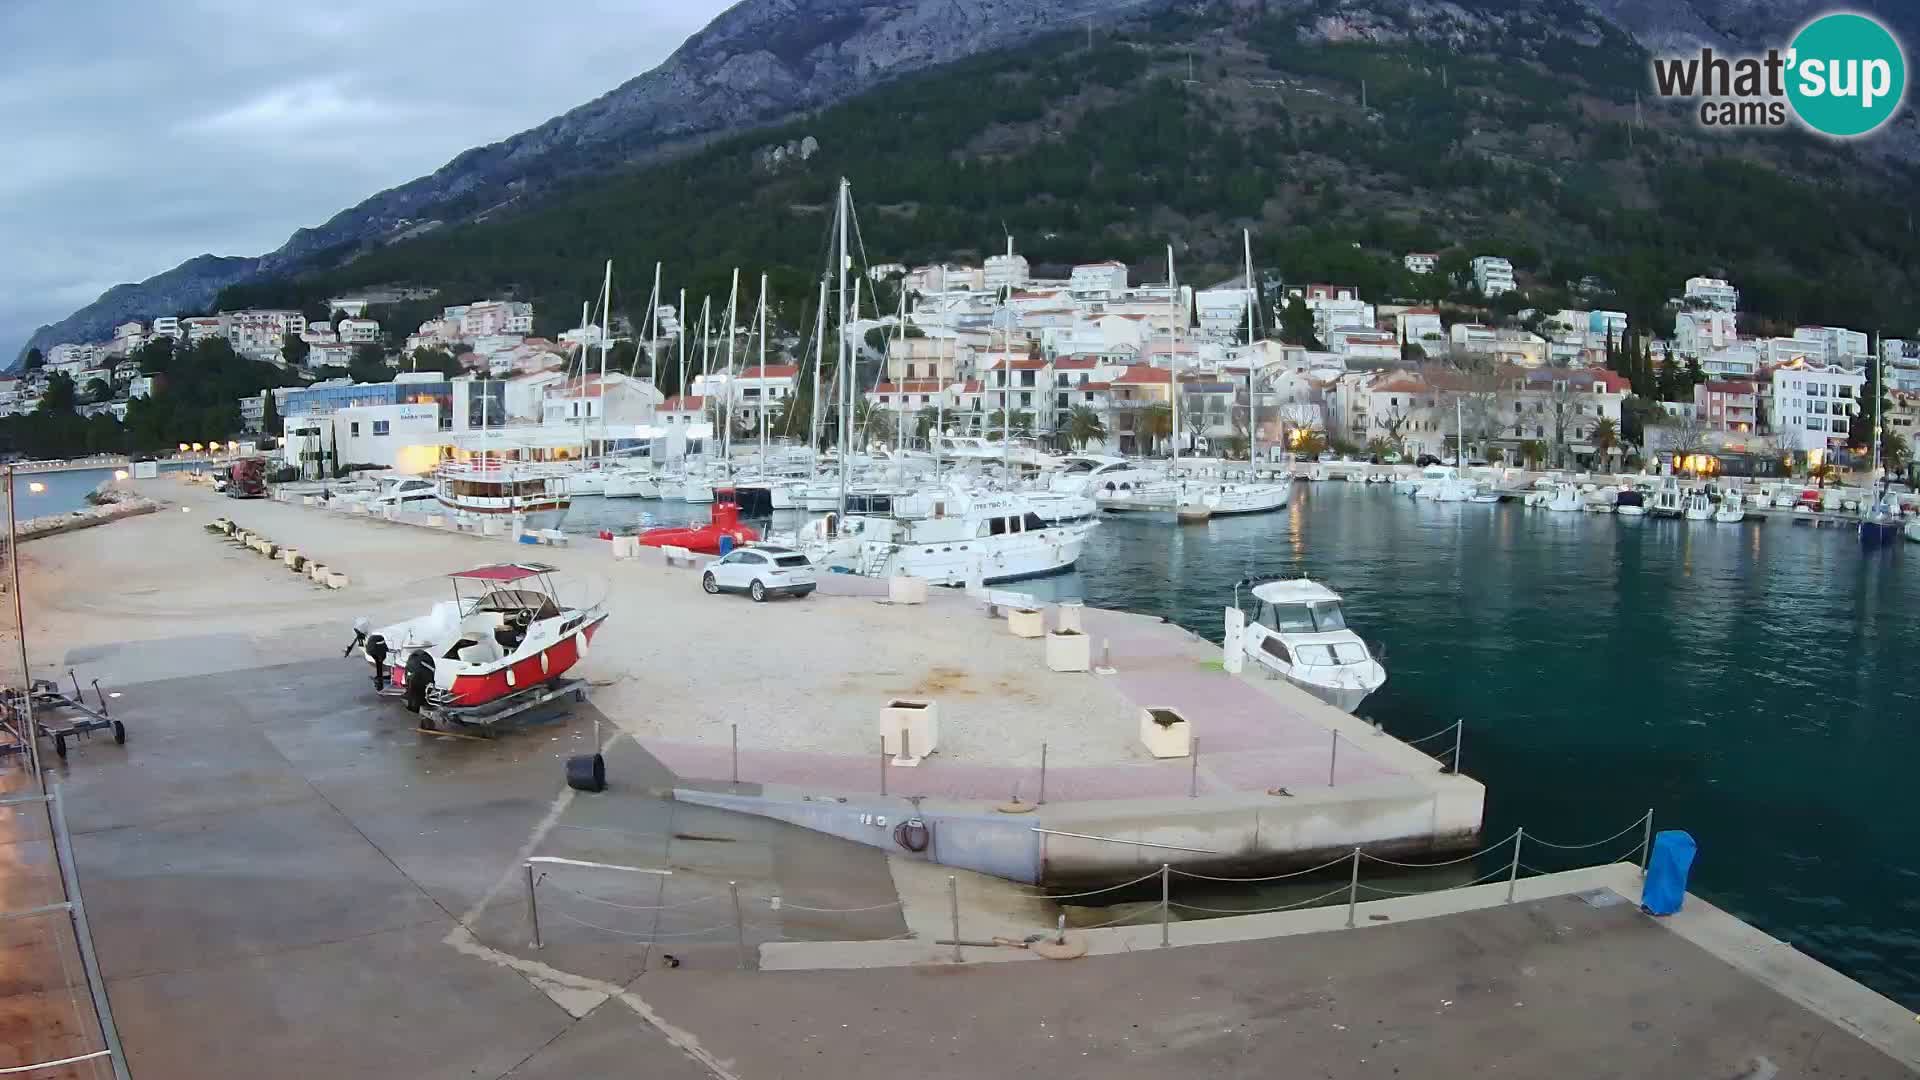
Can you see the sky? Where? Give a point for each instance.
(141, 133)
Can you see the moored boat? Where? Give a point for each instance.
(1300, 633)
(534, 495)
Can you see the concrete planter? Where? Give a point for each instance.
(290, 556)
(492, 527)
(906, 589)
(1067, 617)
(1165, 733)
(1069, 650)
(336, 581)
(909, 725)
(317, 572)
(1027, 622)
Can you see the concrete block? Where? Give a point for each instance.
(1027, 622)
(1069, 650)
(1068, 615)
(909, 724)
(317, 572)
(1165, 733)
(906, 589)
(336, 580)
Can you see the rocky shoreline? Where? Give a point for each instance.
(109, 504)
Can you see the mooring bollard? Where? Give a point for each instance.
(883, 764)
(736, 754)
(953, 901)
(1646, 843)
(533, 907)
(1333, 759)
(1043, 774)
(1459, 731)
(1193, 773)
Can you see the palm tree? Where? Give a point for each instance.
(1085, 426)
(1022, 422)
(1604, 437)
(925, 422)
(1310, 444)
(1154, 423)
(1533, 451)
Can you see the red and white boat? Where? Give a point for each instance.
(505, 633)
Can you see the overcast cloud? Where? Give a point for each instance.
(140, 133)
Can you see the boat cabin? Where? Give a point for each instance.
(1295, 610)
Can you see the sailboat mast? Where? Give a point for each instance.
(586, 316)
(680, 343)
(1253, 397)
(1006, 400)
(606, 338)
(1173, 355)
(653, 329)
(726, 437)
(763, 373)
(900, 414)
(819, 358)
(840, 367)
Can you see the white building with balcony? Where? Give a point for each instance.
(1422, 327)
(1007, 271)
(1696, 333)
(166, 326)
(1362, 344)
(1493, 275)
(1815, 406)
(1107, 277)
(359, 331)
(1421, 262)
(1711, 293)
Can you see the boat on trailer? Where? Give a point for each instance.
(505, 639)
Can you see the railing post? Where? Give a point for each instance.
(736, 755)
(1646, 843)
(739, 925)
(1043, 774)
(82, 933)
(1513, 871)
(1166, 875)
(533, 907)
(1333, 759)
(1353, 889)
(953, 902)
(1459, 730)
(883, 765)
(1193, 774)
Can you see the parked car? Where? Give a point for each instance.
(760, 571)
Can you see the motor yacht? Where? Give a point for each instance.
(990, 537)
(1300, 633)
(534, 495)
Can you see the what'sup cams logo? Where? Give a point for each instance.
(1844, 75)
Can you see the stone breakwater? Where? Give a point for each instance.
(109, 504)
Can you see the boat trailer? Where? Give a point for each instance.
(57, 716)
(488, 716)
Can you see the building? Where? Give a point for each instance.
(1222, 312)
(746, 393)
(1421, 262)
(943, 278)
(354, 331)
(1814, 406)
(1728, 405)
(1333, 307)
(352, 306)
(1422, 327)
(1602, 325)
(939, 355)
(330, 354)
(1837, 344)
(332, 395)
(1007, 271)
(1736, 361)
(319, 333)
(1696, 333)
(71, 358)
(1360, 344)
(1901, 360)
(261, 333)
(142, 386)
(1473, 338)
(404, 436)
(1493, 275)
(610, 399)
(166, 326)
(489, 317)
(127, 337)
(253, 413)
(203, 328)
(1706, 292)
(1093, 279)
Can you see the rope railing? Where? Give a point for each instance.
(1510, 866)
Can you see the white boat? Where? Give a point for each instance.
(1316, 472)
(629, 482)
(1226, 500)
(1565, 499)
(1442, 483)
(587, 482)
(1698, 506)
(1300, 633)
(1630, 503)
(1731, 512)
(986, 538)
(1668, 499)
(507, 637)
(1913, 530)
(697, 489)
(534, 495)
(401, 493)
(1601, 500)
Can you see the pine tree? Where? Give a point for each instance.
(1665, 383)
(1613, 357)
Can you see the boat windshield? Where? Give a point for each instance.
(1320, 617)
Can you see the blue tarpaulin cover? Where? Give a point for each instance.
(1666, 886)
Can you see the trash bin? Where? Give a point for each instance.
(1666, 886)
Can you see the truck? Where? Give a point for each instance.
(247, 478)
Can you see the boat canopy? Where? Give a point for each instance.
(1296, 591)
(504, 572)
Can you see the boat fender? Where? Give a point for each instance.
(580, 644)
(912, 834)
(510, 679)
(543, 664)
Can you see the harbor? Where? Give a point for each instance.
(345, 841)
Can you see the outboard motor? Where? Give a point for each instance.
(359, 635)
(419, 679)
(377, 652)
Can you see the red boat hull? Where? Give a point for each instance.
(703, 539)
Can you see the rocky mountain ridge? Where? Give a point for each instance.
(764, 60)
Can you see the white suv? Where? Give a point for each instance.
(760, 571)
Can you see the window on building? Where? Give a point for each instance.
(380, 427)
(353, 429)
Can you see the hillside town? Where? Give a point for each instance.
(1090, 362)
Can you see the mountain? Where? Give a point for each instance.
(763, 62)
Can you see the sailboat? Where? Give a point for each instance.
(1881, 524)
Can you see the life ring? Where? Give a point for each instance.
(913, 835)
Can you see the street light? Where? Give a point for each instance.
(119, 474)
(36, 487)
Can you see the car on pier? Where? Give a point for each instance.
(760, 571)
